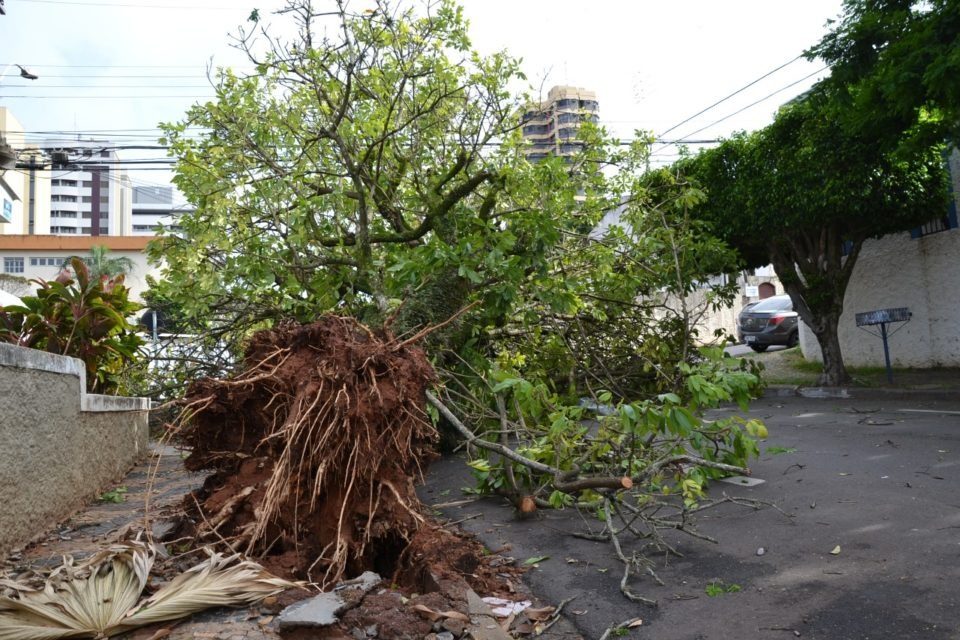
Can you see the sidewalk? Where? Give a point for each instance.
(163, 476)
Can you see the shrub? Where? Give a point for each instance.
(82, 317)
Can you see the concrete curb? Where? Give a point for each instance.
(890, 393)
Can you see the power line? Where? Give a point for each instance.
(753, 104)
(128, 4)
(107, 76)
(111, 66)
(724, 99)
(114, 86)
(101, 97)
(741, 110)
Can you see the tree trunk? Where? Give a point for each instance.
(834, 371)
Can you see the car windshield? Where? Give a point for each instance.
(776, 303)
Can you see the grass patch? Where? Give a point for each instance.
(115, 496)
(789, 367)
(719, 587)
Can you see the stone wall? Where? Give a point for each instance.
(59, 446)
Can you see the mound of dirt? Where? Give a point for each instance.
(315, 448)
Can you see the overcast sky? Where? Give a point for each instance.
(653, 63)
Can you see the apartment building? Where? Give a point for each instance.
(153, 207)
(551, 127)
(91, 197)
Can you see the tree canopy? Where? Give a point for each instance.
(373, 168)
(804, 194)
(101, 263)
(894, 65)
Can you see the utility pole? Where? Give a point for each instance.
(95, 201)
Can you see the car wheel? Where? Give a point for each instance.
(759, 348)
(793, 340)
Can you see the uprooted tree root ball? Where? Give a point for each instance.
(315, 446)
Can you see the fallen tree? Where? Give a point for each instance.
(374, 178)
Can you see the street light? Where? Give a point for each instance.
(8, 156)
(24, 73)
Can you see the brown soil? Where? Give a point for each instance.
(435, 571)
(316, 446)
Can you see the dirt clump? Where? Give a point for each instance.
(315, 446)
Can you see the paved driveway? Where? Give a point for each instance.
(880, 478)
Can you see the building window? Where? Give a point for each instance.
(13, 265)
(47, 262)
(937, 225)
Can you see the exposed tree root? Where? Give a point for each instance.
(316, 445)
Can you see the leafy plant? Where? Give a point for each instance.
(774, 451)
(101, 263)
(82, 317)
(719, 588)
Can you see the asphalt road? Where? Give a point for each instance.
(877, 477)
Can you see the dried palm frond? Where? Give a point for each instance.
(220, 581)
(100, 597)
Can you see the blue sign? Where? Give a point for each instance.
(7, 211)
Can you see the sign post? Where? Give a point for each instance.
(883, 317)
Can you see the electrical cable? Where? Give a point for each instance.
(140, 97)
(128, 5)
(725, 98)
(741, 110)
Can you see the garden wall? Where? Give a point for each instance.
(59, 446)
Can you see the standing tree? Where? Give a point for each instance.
(804, 194)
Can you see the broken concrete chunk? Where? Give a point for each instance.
(484, 625)
(365, 581)
(318, 611)
(322, 609)
(456, 627)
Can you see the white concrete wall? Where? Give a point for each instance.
(59, 445)
(897, 271)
